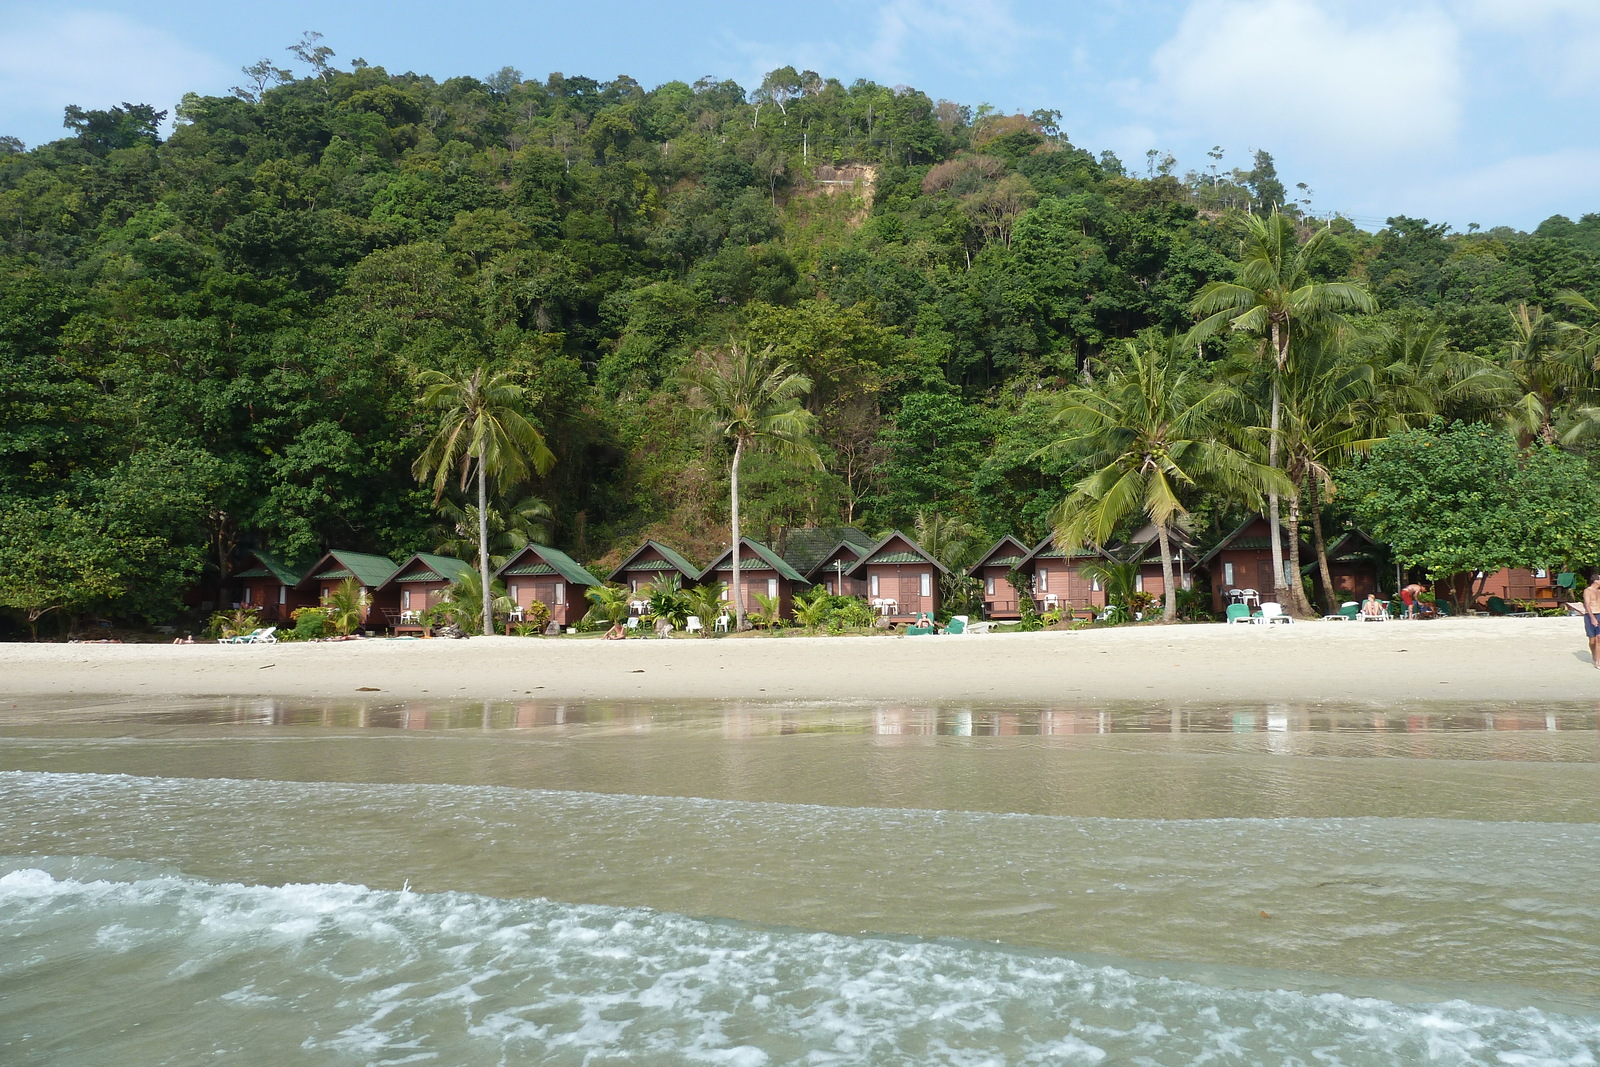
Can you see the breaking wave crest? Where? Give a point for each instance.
(336, 973)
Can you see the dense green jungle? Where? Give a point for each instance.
(212, 330)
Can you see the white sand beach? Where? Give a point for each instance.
(1449, 659)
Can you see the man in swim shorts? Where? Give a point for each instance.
(1591, 617)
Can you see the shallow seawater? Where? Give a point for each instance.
(371, 882)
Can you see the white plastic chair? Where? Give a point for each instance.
(633, 622)
(692, 625)
(1272, 612)
(721, 625)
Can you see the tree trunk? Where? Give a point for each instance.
(1329, 601)
(736, 587)
(483, 546)
(1279, 346)
(1297, 602)
(1169, 609)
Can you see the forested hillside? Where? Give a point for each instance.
(213, 339)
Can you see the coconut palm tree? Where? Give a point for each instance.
(482, 431)
(512, 527)
(1550, 371)
(751, 399)
(1274, 298)
(953, 542)
(609, 603)
(1153, 433)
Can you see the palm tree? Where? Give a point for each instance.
(753, 400)
(1275, 297)
(953, 542)
(1153, 431)
(512, 527)
(481, 430)
(1326, 409)
(610, 603)
(1550, 371)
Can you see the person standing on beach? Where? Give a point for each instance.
(1591, 617)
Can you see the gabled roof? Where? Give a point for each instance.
(682, 565)
(805, 547)
(1046, 549)
(1235, 540)
(339, 563)
(542, 559)
(427, 567)
(1006, 552)
(851, 549)
(1354, 546)
(270, 566)
(1139, 551)
(877, 554)
(770, 561)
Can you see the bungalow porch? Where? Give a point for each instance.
(419, 584)
(1000, 597)
(339, 565)
(902, 578)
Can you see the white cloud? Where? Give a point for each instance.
(1329, 80)
(902, 41)
(1564, 182)
(95, 60)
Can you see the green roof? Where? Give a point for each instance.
(371, 571)
(523, 570)
(806, 547)
(770, 560)
(1010, 560)
(558, 562)
(1003, 561)
(670, 561)
(1047, 549)
(876, 554)
(273, 567)
(897, 557)
(427, 567)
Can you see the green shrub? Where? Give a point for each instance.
(309, 624)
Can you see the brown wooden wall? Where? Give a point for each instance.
(999, 597)
(756, 581)
(546, 588)
(1060, 578)
(902, 583)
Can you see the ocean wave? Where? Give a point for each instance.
(343, 973)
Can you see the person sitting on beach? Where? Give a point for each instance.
(618, 632)
(1372, 606)
(1591, 617)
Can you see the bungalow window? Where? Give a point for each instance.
(283, 594)
(872, 582)
(1227, 574)
(925, 583)
(633, 585)
(405, 600)
(1094, 585)
(1138, 583)
(561, 593)
(988, 586)
(245, 600)
(1044, 580)
(514, 599)
(772, 588)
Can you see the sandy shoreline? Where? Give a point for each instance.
(1450, 659)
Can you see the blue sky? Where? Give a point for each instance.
(1459, 111)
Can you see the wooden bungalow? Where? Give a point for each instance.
(761, 570)
(825, 554)
(902, 578)
(1000, 600)
(338, 565)
(1144, 548)
(421, 582)
(1243, 560)
(550, 576)
(1356, 563)
(1058, 582)
(270, 587)
(649, 563)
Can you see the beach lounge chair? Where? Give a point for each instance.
(1347, 612)
(956, 626)
(1499, 607)
(692, 625)
(1382, 616)
(1238, 613)
(633, 622)
(269, 636)
(980, 627)
(1272, 612)
(241, 639)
